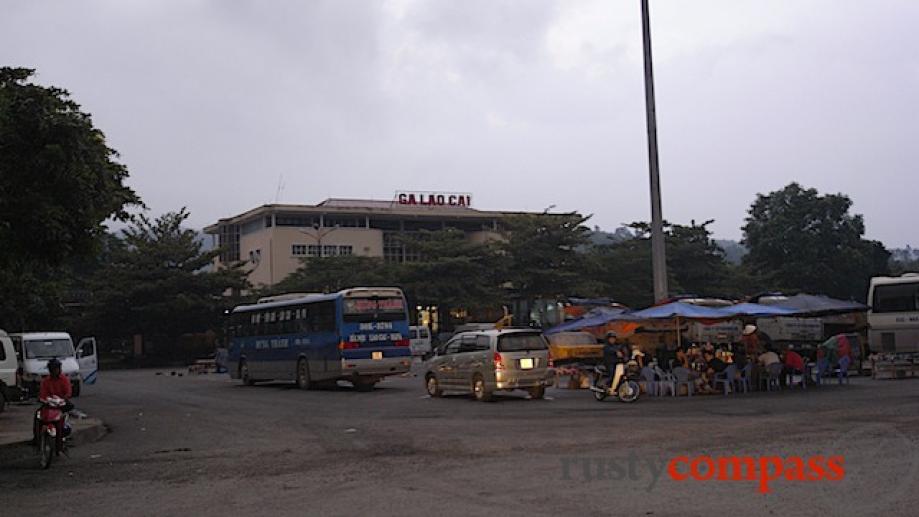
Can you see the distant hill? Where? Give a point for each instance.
(734, 251)
(599, 238)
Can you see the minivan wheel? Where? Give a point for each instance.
(537, 392)
(2, 399)
(433, 386)
(479, 390)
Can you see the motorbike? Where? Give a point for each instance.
(601, 385)
(52, 420)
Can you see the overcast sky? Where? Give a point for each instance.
(525, 104)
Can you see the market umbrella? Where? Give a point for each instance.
(759, 310)
(677, 311)
(814, 305)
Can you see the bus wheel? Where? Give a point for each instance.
(303, 375)
(244, 374)
(363, 385)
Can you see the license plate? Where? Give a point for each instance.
(526, 363)
(376, 356)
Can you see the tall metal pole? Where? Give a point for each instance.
(658, 253)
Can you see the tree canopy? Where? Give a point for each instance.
(802, 240)
(157, 281)
(59, 182)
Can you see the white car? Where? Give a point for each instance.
(420, 340)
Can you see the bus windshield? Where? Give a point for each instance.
(896, 298)
(48, 348)
(374, 309)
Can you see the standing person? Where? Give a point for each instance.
(752, 348)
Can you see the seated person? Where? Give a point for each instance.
(768, 357)
(682, 359)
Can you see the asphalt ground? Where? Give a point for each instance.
(205, 445)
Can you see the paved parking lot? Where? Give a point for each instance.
(204, 445)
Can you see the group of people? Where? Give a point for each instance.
(704, 361)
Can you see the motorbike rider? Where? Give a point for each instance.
(54, 385)
(615, 357)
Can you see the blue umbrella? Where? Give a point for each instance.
(680, 310)
(814, 305)
(756, 309)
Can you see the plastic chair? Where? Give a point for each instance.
(682, 376)
(650, 379)
(726, 378)
(772, 377)
(666, 380)
(790, 377)
(843, 372)
(743, 382)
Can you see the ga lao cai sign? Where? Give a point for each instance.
(458, 199)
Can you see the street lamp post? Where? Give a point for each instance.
(319, 235)
(658, 252)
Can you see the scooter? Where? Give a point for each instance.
(627, 390)
(51, 420)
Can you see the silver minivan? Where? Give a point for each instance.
(485, 361)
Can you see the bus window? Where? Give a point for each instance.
(896, 298)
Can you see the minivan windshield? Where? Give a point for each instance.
(48, 348)
(521, 342)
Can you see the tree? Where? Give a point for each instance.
(159, 283)
(541, 253)
(695, 264)
(801, 240)
(451, 271)
(59, 182)
(329, 274)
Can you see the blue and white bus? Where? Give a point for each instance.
(360, 335)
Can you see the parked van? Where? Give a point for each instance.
(420, 340)
(486, 361)
(8, 365)
(35, 349)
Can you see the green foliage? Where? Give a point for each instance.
(801, 240)
(452, 271)
(696, 264)
(59, 182)
(541, 254)
(329, 274)
(157, 281)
